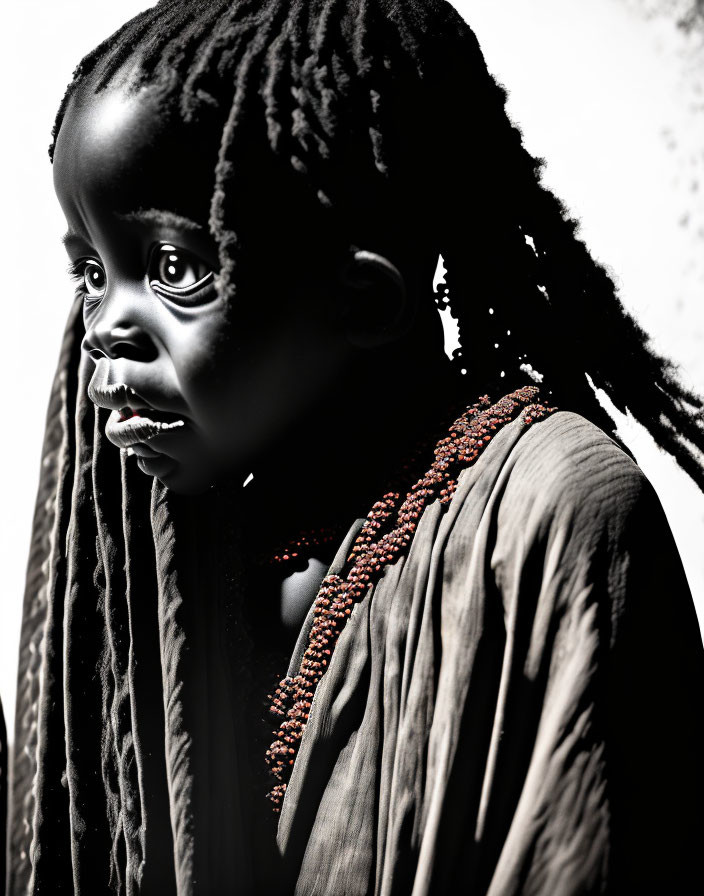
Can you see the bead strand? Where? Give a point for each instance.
(386, 533)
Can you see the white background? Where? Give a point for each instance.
(612, 98)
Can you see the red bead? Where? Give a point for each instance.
(370, 555)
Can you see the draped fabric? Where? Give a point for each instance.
(514, 708)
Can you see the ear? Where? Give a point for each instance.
(375, 306)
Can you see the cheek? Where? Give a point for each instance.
(196, 346)
(245, 386)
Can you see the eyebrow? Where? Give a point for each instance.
(71, 237)
(160, 216)
(144, 216)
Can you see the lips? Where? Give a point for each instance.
(132, 419)
(137, 428)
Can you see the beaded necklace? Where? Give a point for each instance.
(295, 551)
(385, 536)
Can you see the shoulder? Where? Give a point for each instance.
(560, 500)
(574, 508)
(566, 469)
(578, 529)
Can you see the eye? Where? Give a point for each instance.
(94, 278)
(90, 278)
(177, 270)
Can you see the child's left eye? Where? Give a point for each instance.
(177, 270)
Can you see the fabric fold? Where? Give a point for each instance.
(483, 686)
(514, 704)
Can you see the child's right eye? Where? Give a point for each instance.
(90, 277)
(94, 278)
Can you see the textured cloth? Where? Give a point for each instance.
(517, 706)
(514, 708)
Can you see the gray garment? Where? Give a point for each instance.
(516, 706)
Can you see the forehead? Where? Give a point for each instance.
(132, 150)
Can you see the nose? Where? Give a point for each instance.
(119, 329)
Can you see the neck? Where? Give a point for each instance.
(337, 462)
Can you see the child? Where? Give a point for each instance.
(489, 677)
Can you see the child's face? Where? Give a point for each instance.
(211, 390)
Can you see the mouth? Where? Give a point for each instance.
(127, 426)
(132, 419)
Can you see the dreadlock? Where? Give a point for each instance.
(369, 120)
(385, 113)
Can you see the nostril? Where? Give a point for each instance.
(131, 343)
(96, 354)
(144, 350)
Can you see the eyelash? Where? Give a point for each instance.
(77, 273)
(158, 254)
(75, 270)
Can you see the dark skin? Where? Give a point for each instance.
(272, 387)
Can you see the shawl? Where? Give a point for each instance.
(513, 708)
(516, 707)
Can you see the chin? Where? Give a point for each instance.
(177, 478)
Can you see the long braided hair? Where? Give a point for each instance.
(380, 122)
(380, 113)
